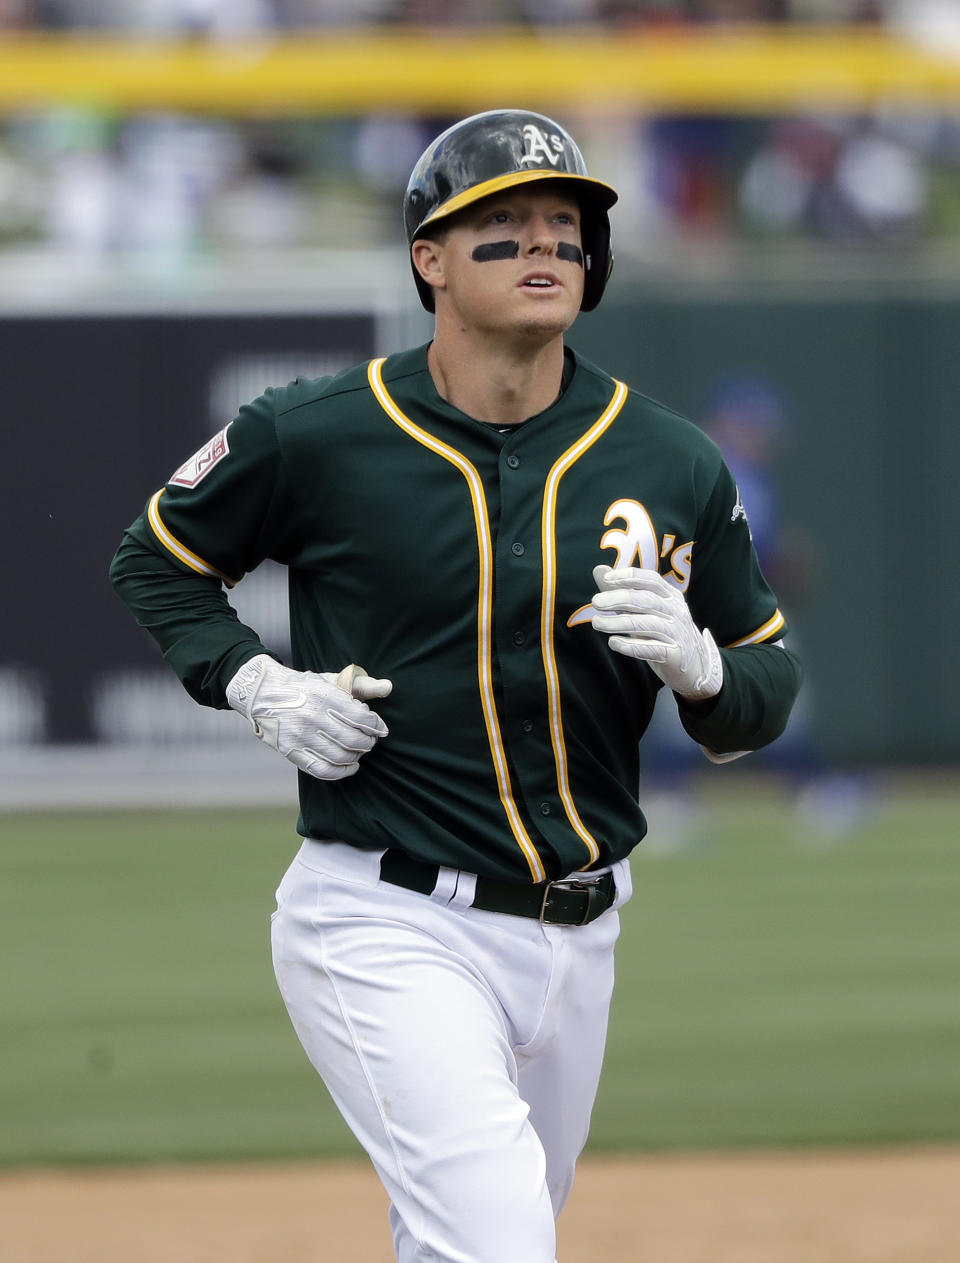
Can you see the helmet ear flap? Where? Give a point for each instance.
(598, 257)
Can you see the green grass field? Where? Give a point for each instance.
(770, 991)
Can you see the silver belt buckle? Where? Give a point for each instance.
(567, 883)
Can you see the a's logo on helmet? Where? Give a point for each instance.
(539, 147)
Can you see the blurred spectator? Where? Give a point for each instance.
(174, 168)
(141, 185)
(265, 201)
(839, 179)
(224, 19)
(557, 12)
(445, 12)
(22, 198)
(17, 15)
(880, 186)
(215, 17)
(777, 187)
(738, 10)
(694, 160)
(388, 146)
(932, 23)
(748, 420)
(85, 181)
(81, 14)
(304, 14)
(746, 415)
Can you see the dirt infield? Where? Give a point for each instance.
(886, 1207)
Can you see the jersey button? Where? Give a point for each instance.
(513, 460)
(527, 725)
(517, 549)
(544, 809)
(519, 637)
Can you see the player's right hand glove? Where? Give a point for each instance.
(319, 725)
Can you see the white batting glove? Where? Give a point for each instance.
(649, 619)
(322, 728)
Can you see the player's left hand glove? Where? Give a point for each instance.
(648, 618)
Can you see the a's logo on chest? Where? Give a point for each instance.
(637, 544)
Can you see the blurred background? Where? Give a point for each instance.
(199, 198)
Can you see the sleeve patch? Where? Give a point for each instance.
(200, 463)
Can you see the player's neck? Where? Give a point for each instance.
(490, 385)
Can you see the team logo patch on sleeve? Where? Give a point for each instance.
(200, 463)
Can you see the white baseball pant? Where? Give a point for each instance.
(462, 1047)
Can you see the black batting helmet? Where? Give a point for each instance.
(497, 150)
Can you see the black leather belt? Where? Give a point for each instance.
(569, 901)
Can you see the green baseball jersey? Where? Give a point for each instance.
(456, 560)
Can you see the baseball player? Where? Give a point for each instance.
(497, 556)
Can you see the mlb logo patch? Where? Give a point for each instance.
(200, 463)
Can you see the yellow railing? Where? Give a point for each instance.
(739, 70)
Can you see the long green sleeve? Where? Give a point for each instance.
(760, 685)
(189, 617)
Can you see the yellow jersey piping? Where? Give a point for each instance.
(769, 628)
(484, 609)
(181, 551)
(548, 608)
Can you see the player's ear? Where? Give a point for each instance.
(427, 258)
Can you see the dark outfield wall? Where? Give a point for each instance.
(98, 410)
